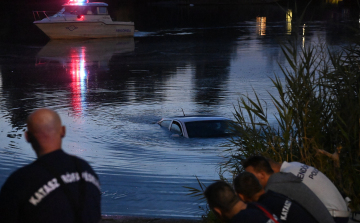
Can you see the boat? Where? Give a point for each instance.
(80, 19)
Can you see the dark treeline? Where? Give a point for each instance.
(151, 15)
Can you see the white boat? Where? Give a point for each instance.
(82, 19)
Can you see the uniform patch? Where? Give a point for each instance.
(51, 185)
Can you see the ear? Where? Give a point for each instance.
(262, 175)
(63, 131)
(242, 197)
(263, 178)
(217, 211)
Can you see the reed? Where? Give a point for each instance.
(317, 120)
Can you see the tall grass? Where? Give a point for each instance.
(317, 120)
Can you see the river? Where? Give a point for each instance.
(110, 93)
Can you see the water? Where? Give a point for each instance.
(111, 93)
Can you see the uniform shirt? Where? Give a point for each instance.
(253, 214)
(33, 193)
(324, 189)
(291, 186)
(288, 210)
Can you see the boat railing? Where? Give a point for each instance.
(39, 15)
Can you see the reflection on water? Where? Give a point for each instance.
(79, 76)
(303, 36)
(110, 99)
(110, 93)
(94, 50)
(261, 25)
(78, 57)
(288, 21)
(333, 1)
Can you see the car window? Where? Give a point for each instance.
(176, 128)
(212, 128)
(165, 123)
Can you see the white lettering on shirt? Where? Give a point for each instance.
(90, 178)
(302, 171)
(51, 185)
(285, 210)
(44, 191)
(313, 173)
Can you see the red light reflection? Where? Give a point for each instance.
(79, 77)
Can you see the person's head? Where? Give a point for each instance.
(222, 200)
(248, 187)
(44, 131)
(260, 167)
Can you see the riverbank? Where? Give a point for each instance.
(128, 219)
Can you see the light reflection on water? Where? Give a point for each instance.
(110, 93)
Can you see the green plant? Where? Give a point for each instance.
(317, 120)
(208, 216)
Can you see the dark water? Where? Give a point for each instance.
(110, 93)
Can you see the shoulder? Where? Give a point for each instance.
(254, 214)
(249, 215)
(79, 162)
(283, 178)
(293, 167)
(84, 165)
(22, 174)
(272, 196)
(16, 185)
(287, 183)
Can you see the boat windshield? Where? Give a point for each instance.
(209, 128)
(85, 10)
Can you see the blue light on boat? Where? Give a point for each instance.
(78, 2)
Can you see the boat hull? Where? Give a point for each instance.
(81, 30)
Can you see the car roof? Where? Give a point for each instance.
(195, 118)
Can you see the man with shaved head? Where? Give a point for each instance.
(228, 207)
(56, 187)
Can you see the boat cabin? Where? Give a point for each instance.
(92, 8)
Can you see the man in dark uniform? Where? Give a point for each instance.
(249, 190)
(57, 187)
(228, 207)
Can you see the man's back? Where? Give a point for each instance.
(320, 185)
(288, 210)
(253, 214)
(35, 192)
(292, 187)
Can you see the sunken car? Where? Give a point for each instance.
(198, 126)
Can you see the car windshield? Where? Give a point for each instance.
(212, 128)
